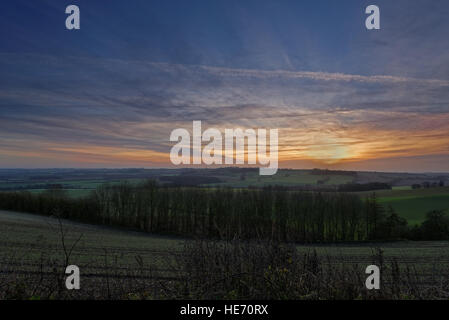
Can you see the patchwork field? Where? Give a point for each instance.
(88, 179)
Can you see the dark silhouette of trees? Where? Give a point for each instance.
(436, 226)
(223, 213)
(392, 227)
(375, 217)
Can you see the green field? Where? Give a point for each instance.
(284, 178)
(414, 204)
(414, 209)
(74, 193)
(82, 187)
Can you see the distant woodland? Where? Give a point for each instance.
(224, 213)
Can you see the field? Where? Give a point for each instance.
(283, 178)
(413, 209)
(89, 179)
(31, 248)
(74, 193)
(413, 204)
(32, 245)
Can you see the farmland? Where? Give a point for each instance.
(146, 248)
(413, 204)
(31, 247)
(89, 179)
(414, 208)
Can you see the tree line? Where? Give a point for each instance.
(224, 213)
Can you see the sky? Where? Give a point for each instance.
(109, 95)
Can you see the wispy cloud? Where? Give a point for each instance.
(115, 112)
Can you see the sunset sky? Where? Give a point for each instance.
(109, 94)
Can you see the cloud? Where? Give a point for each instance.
(61, 107)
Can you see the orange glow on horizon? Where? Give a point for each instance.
(318, 142)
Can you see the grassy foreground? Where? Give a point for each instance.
(126, 264)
